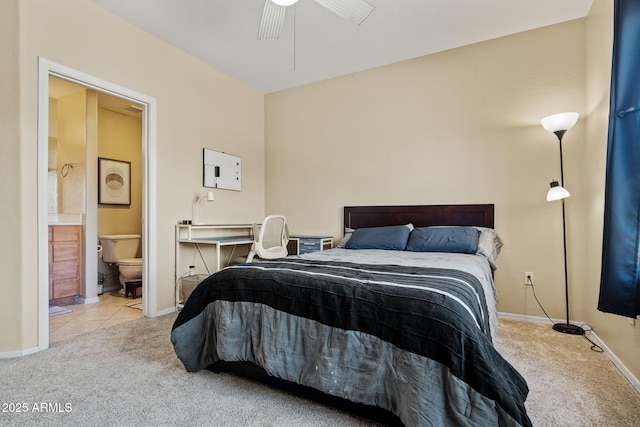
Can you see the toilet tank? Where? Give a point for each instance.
(119, 246)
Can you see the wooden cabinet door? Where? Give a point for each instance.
(65, 259)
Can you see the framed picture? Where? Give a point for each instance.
(114, 182)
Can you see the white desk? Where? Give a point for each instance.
(201, 234)
(190, 231)
(214, 236)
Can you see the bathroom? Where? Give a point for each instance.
(87, 130)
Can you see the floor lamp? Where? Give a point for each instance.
(559, 124)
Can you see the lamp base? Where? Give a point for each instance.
(568, 328)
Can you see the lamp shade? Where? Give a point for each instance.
(556, 192)
(284, 2)
(560, 121)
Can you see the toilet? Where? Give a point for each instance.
(121, 249)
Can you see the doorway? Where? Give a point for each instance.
(147, 104)
(76, 114)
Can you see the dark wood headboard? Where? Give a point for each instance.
(419, 215)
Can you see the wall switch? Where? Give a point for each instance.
(528, 278)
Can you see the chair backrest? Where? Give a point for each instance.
(270, 240)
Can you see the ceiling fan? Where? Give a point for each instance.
(354, 11)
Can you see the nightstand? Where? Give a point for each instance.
(300, 244)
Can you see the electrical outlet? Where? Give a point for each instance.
(528, 278)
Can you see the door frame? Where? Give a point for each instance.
(48, 68)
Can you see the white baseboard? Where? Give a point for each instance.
(165, 311)
(621, 367)
(89, 300)
(592, 335)
(18, 353)
(531, 319)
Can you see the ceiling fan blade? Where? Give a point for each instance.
(355, 11)
(271, 21)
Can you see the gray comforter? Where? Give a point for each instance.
(415, 341)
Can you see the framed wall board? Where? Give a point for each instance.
(221, 170)
(114, 182)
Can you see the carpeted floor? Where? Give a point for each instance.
(130, 376)
(569, 384)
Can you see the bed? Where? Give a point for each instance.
(400, 316)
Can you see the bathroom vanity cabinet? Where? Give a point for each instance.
(65, 263)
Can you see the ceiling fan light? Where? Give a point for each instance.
(284, 2)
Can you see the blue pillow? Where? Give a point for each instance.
(444, 239)
(392, 237)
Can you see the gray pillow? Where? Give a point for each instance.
(444, 239)
(393, 237)
(347, 235)
(489, 245)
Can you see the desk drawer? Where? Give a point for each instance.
(309, 245)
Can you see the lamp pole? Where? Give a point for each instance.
(566, 328)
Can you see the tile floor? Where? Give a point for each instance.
(110, 310)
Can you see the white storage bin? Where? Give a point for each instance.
(187, 284)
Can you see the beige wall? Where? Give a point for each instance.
(13, 327)
(389, 136)
(198, 107)
(462, 126)
(383, 136)
(120, 138)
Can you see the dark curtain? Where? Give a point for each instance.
(620, 280)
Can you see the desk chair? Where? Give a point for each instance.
(270, 240)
